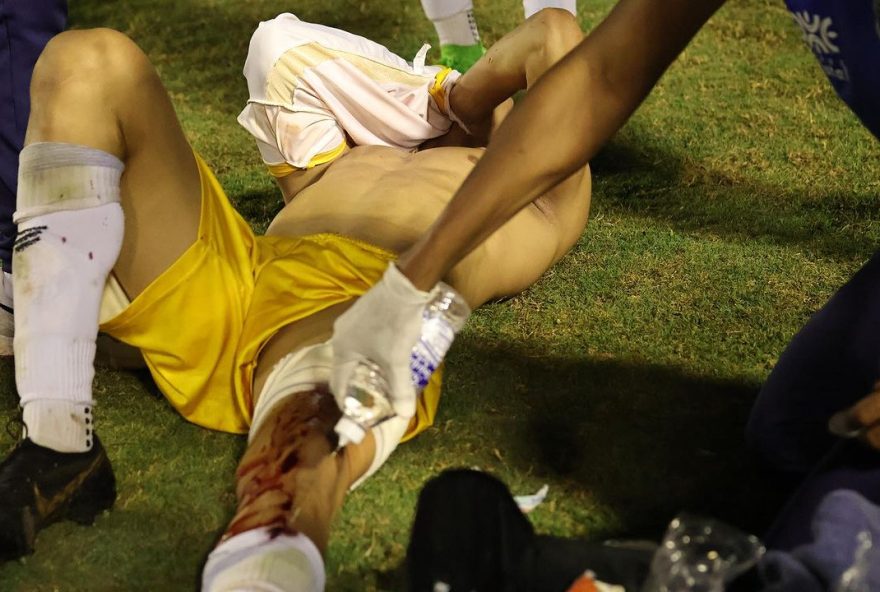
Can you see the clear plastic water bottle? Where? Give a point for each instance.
(368, 397)
(701, 555)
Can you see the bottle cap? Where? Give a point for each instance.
(350, 431)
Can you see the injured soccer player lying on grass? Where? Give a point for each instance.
(119, 214)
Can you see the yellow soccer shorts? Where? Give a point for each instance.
(202, 324)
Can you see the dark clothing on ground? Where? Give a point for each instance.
(818, 566)
(829, 365)
(470, 534)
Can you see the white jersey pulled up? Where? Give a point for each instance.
(312, 88)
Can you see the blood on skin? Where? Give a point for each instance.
(267, 476)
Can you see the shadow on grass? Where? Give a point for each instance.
(647, 441)
(644, 440)
(634, 176)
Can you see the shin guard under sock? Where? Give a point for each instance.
(69, 236)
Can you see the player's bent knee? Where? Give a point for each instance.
(556, 18)
(81, 85)
(91, 56)
(562, 30)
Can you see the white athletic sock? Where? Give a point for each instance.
(453, 20)
(530, 7)
(256, 561)
(64, 426)
(69, 236)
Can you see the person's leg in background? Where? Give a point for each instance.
(25, 28)
(828, 366)
(460, 45)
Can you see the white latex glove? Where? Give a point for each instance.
(382, 326)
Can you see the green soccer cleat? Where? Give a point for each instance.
(39, 486)
(461, 57)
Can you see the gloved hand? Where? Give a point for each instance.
(382, 326)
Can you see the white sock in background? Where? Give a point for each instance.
(70, 227)
(255, 561)
(453, 20)
(530, 7)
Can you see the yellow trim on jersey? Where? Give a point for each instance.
(437, 92)
(327, 156)
(282, 169)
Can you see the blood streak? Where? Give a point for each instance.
(267, 477)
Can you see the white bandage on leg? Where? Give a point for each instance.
(387, 436)
(256, 561)
(300, 371)
(530, 7)
(70, 227)
(304, 370)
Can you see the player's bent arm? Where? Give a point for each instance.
(559, 126)
(512, 64)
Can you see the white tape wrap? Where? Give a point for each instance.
(305, 369)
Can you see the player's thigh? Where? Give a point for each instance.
(96, 88)
(161, 193)
(519, 253)
(161, 188)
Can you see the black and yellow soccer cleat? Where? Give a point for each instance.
(39, 486)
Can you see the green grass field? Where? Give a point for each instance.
(734, 203)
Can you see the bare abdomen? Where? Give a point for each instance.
(385, 196)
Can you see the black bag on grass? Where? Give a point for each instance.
(469, 535)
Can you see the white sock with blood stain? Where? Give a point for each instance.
(70, 227)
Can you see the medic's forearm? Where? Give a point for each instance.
(559, 126)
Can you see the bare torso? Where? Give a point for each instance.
(384, 196)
